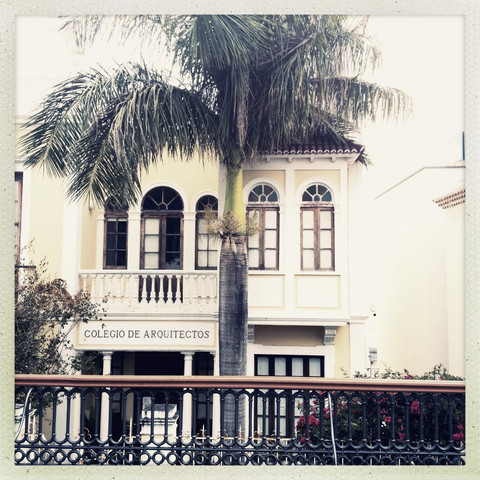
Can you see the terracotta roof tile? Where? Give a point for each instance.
(318, 146)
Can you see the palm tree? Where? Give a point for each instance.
(250, 84)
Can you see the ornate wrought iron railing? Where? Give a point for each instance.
(132, 420)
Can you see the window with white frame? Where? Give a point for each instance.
(263, 245)
(317, 229)
(206, 246)
(162, 229)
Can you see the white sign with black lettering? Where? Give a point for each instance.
(145, 334)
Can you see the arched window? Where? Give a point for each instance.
(206, 246)
(317, 229)
(263, 246)
(162, 229)
(115, 238)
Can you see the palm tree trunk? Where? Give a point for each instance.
(233, 308)
(233, 305)
(234, 194)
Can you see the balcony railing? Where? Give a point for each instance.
(151, 289)
(127, 420)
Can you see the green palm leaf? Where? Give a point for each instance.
(101, 130)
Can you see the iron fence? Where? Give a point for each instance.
(126, 420)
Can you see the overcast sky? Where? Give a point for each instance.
(422, 55)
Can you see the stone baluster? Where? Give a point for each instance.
(203, 285)
(186, 289)
(169, 290)
(93, 291)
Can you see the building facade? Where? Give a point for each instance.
(419, 283)
(154, 266)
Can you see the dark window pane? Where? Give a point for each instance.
(121, 259)
(110, 260)
(172, 243)
(173, 226)
(122, 226)
(176, 204)
(168, 194)
(122, 242)
(149, 204)
(321, 189)
(172, 260)
(208, 202)
(172, 199)
(110, 241)
(111, 224)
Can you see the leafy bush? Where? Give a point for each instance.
(385, 418)
(45, 315)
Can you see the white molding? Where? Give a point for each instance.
(314, 180)
(162, 183)
(198, 196)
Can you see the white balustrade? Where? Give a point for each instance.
(150, 289)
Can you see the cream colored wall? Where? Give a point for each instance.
(192, 177)
(342, 352)
(89, 236)
(303, 175)
(46, 220)
(276, 175)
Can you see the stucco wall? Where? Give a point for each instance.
(45, 216)
(412, 282)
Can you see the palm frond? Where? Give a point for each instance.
(353, 100)
(85, 29)
(101, 130)
(251, 83)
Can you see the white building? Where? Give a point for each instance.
(419, 289)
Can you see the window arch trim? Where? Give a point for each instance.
(321, 181)
(165, 205)
(249, 186)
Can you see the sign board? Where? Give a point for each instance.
(149, 335)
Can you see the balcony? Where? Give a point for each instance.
(151, 290)
(149, 420)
